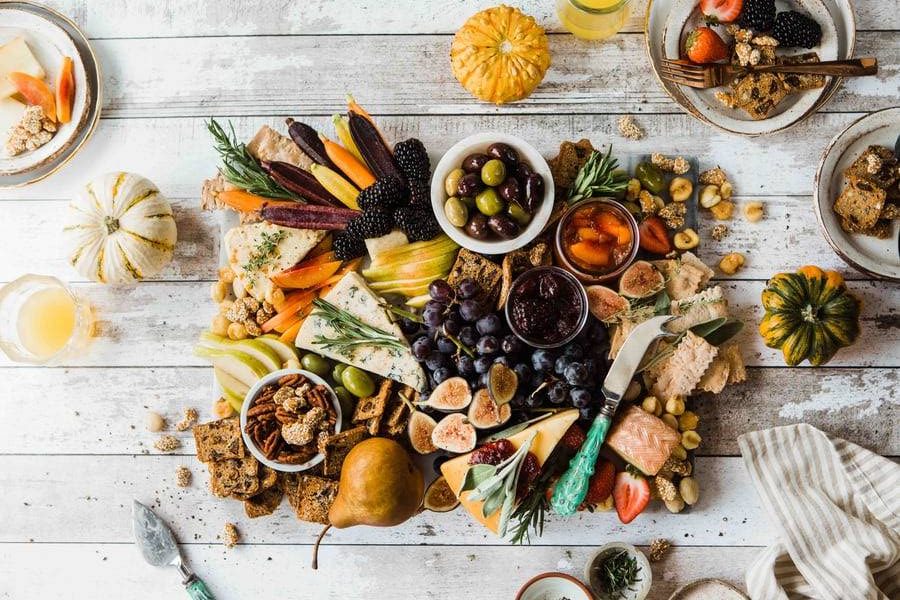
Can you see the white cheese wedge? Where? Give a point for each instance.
(16, 56)
(353, 295)
(252, 259)
(11, 113)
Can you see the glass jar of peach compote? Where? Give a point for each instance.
(592, 19)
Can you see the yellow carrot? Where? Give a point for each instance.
(336, 185)
(349, 165)
(343, 132)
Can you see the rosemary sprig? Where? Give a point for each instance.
(529, 515)
(618, 573)
(599, 176)
(240, 168)
(350, 331)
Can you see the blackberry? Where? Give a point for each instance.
(796, 29)
(385, 193)
(412, 158)
(419, 192)
(372, 223)
(417, 221)
(758, 14)
(347, 247)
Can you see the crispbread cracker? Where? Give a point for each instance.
(311, 497)
(263, 503)
(336, 447)
(219, 440)
(860, 206)
(798, 82)
(486, 274)
(373, 406)
(234, 476)
(759, 93)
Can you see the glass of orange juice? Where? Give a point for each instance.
(593, 19)
(42, 321)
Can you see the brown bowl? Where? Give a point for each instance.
(559, 583)
(586, 276)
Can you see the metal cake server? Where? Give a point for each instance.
(159, 548)
(572, 487)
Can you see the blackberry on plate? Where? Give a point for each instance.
(758, 14)
(385, 193)
(372, 223)
(417, 222)
(347, 247)
(796, 29)
(412, 158)
(419, 192)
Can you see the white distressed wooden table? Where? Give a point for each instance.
(73, 448)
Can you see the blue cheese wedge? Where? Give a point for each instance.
(259, 250)
(353, 295)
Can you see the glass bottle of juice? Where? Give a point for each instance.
(592, 19)
(41, 320)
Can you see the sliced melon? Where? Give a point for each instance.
(239, 365)
(549, 432)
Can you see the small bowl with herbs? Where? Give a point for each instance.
(619, 571)
(492, 193)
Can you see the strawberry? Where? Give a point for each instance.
(602, 482)
(721, 11)
(631, 494)
(703, 45)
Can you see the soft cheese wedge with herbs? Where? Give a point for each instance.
(259, 250)
(549, 432)
(351, 294)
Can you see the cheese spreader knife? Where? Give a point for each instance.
(572, 487)
(159, 548)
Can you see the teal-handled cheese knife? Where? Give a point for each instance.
(572, 487)
(159, 548)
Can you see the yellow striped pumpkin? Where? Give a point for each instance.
(120, 229)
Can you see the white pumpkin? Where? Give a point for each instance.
(120, 229)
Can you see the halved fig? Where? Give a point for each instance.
(419, 430)
(454, 434)
(453, 394)
(484, 413)
(439, 497)
(502, 383)
(641, 280)
(605, 304)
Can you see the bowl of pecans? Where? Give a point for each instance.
(283, 416)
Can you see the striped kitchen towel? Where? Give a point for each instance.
(836, 508)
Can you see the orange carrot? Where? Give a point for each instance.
(290, 334)
(246, 202)
(349, 165)
(289, 311)
(317, 260)
(322, 247)
(306, 276)
(65, 91)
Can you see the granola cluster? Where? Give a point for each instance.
(629, 129)
(33, 131)
(678, 165)
(251, 313)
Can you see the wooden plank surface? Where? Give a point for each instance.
(441, 572)
(96, 412)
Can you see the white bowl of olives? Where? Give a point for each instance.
(492, 193)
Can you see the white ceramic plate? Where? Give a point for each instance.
(51, 37)
(870, 255)
(708, 588)
(479, 143)
(656, 24)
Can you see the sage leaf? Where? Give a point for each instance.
(476, 475)
(704, 329)
(724, 333)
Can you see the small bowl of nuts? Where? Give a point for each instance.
(283, 416)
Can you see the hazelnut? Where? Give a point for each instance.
(680, 189)
(710, 196)
(754, 211)
(731, 263)
(155, 422)
(218, 291)
(236, 331)
(222, 409)
(723, 210)
(676, 505)
(652, 405)
(726, 190)
(689, 490)
(687, 239)
(688, 420)
(678, 451)
(690, 440)
(670, 420)
(219, 325)
(675, 406)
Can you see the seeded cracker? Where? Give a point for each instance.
(336, 447)
(264, 503)
(474, 266)
(311, 497)
(373, 406)
(234, 476)
(219, 440)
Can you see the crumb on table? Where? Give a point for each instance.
(190, 419)
(629, 129)
(167, 443)
(658, 548)
(719, 232)
(182, 476)
(232, 536)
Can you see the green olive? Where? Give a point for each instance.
(451, 183)
(493, 172)
(337, 372)
(518, 214)
(651, 177)
(316, 364)
(347, 401)
(488, 202)
(358, 382)
(457, 212)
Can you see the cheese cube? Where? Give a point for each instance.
(17, 56)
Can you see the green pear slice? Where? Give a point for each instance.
(258, 350)
(233, 391)
(240, 365)
(285, 351)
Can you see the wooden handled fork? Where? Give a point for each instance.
(715, 75)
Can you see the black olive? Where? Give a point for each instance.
(523, 171)
(534, 192)
(470, 184)
(510, 191)
(503, 226)
(477, 227)
(473, 162)
(504, 152)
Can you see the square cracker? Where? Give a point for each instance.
(373, 406)
(484, 272)
(263, 503)
(798, 82)
(759, 93)
(311, 497)
(234, 476)
(219, 440)
(336, 447)
(860, 206)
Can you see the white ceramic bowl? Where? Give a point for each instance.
(553, 585)
(254, 391)
(642, 588)
(453, 158)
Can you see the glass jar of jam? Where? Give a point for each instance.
(596, 239)
(547, 307)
